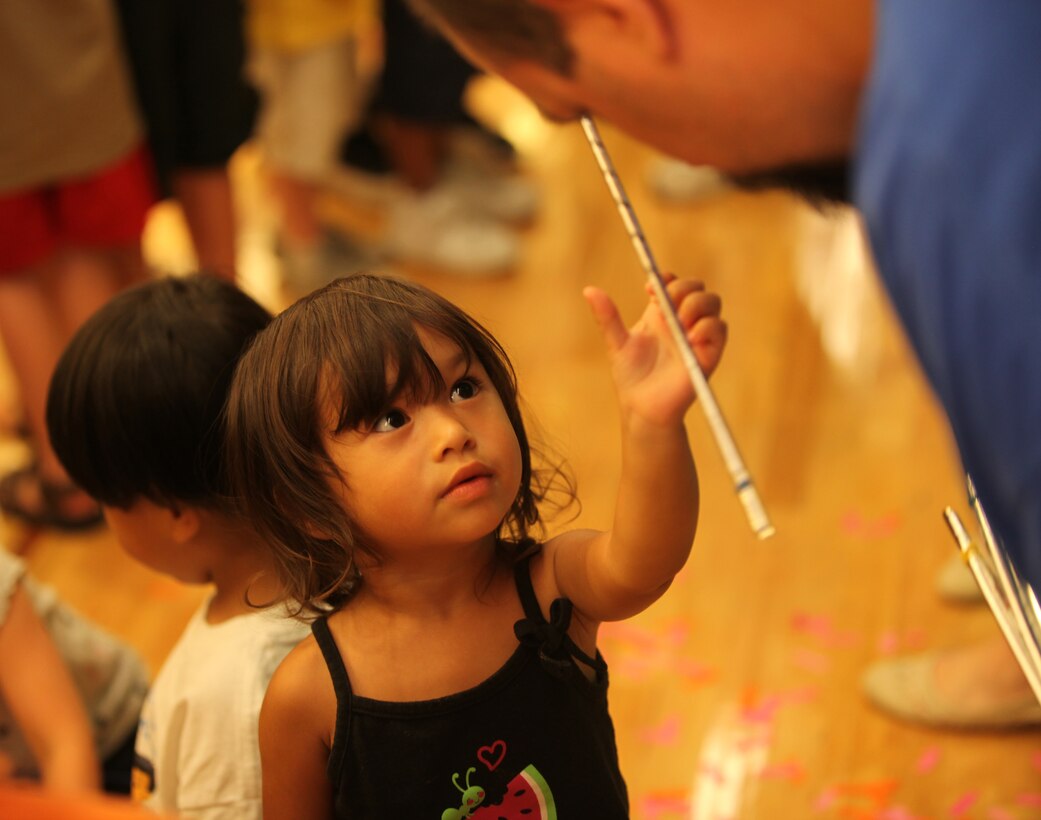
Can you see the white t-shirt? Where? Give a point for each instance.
(109, 675)
(197, 751)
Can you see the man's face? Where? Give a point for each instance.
(772, 84)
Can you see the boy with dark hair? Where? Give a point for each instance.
(135, 413)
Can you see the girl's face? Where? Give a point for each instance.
(441, 472)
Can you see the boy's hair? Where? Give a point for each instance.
(327, 357)
(135, 404)
(516, 28)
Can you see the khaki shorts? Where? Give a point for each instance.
(308, 101)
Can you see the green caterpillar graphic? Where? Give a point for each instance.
(473, 796)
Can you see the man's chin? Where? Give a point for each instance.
(819, 183)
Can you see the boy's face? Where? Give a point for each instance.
(155, 536)
(442, 472)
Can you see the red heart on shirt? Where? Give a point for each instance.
(492, 756)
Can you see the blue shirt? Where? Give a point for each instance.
(948, 177)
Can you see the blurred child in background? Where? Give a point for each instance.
(135, 413)
(70, 693)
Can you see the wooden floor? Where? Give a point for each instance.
(737, 695)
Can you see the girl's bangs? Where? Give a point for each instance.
(381, 361)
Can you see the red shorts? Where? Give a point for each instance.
(107, 209)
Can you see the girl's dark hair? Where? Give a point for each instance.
(332, 350)
(135, 404)
(516, 28)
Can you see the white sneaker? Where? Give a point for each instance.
(509, 197)
(440, 228)
(488, 175)
(677, 181)
(374, 190)
(505, 196)
(482, 148)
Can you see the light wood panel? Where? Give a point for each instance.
(737, 695)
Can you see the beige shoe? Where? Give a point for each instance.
(956, 583)
(909, 689)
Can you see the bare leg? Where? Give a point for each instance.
(39, 312)
(296, 197)
(206, 197)
(80, 282)
(416, 150)
(34, 339)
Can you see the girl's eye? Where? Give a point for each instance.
(391, 420)
(465, 389)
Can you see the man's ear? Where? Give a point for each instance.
(185, 523)
(641, 24)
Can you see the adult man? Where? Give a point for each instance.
(940, 126)
(761, 85)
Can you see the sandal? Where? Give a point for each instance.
(39, 502)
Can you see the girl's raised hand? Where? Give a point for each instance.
(650, 377)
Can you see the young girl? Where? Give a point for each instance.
(453, 672)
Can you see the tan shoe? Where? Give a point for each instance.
(956, 583)
(939, 689)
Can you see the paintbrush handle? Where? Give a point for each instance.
(743, 485)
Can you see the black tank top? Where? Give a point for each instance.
(532, 741)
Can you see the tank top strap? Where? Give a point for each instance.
(342, 688)
(522, 578)
(550, 638)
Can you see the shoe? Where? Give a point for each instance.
(40, 502)
(362, 151)
(956, 583)
(439, 228)
(475, 138)
(474, 142)
(508, 197)
(906, 688)
(365, 187)
(678, 182)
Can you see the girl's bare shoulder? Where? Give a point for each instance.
(301, 688)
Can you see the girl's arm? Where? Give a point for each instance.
(296, 723)
(615, 574)
(44, 701)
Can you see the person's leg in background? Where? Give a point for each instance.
(217, 117)
(309, 98)
(419, 98)
(33, 340)
(207, 200)
(188, 60)
(436, 216)
(71, 248)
